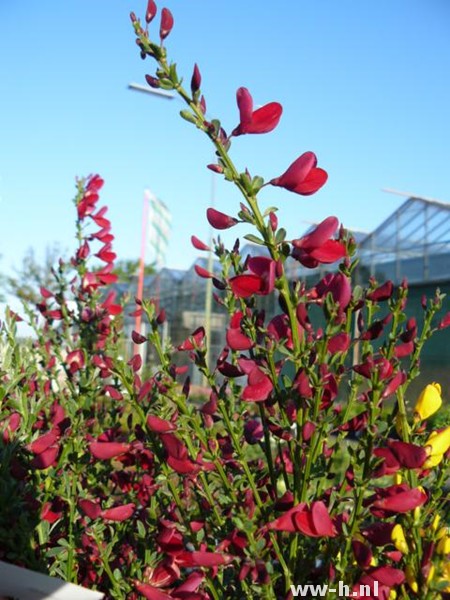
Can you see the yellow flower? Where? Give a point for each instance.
(429, 401)
(435, 523)
(398, 539)
(437, 445)
(411, 579)
(443, 545)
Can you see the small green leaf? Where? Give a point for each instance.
(253, 238)
(280, 236)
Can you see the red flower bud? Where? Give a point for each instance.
(151, 11)
(153, 82)
(166, 23)
(196, 79)
(220, 220)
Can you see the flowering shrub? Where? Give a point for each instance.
(303, 464)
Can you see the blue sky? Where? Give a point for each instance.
(365, 85)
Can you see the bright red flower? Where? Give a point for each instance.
(318, 246)
(262, 120)
(259, 386)
(199, 558)
(260, 280)
(303, 176)
(118, 513)
(313, 522)
(90, 508)
(107, 450)
(397, 499)
(158, 425)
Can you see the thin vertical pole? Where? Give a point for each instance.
(140, 287)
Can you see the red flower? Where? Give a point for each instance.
(397, 499)
(259, 386)
(158, 425)
(313, 522)
(303, 176)
(220, 220)
(138, 338)
(262, 120)
(90, 509)
(318, 246)
(195, 340)
(198, 244)
(118, 513)
(236, 338)
(199, 558)
(338, 285)
(107, 450)
(260, 281)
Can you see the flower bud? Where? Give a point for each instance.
(152, 81)
(166, 23)
(196, 79)
(151, 11)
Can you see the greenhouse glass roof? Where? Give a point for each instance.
(414, 242)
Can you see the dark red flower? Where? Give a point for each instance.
(220, 220)
(195, 340)
(138, 338)
(303, 176)
(262, 120)
(338, 285)
(259, 386)
(318, 246)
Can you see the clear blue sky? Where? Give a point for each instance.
(364, 84)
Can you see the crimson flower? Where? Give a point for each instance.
(262, 120)
(318, 247)
(313, 522)
(397, 499)
(107, 450)
(236, 338)
(220, 220)
(260, 280)
(118, 513)
(303, 176)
